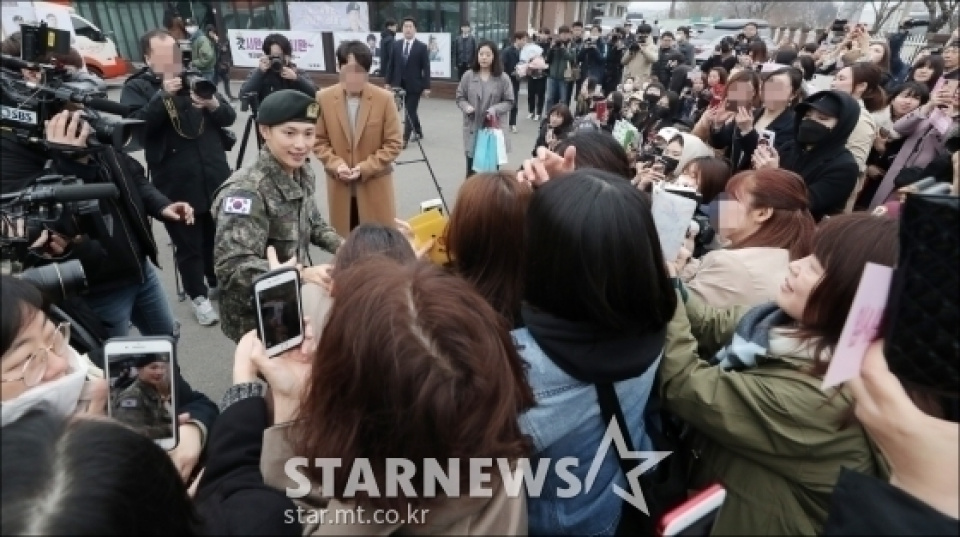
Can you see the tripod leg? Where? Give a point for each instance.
(429, 168)
(246, 138)
(181, 293)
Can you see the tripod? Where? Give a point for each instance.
(398, 97)
(249, 101)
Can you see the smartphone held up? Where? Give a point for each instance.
(140, 372)
(277, 302)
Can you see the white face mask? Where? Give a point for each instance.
(192, 29)
(61, 396)
(628, 88)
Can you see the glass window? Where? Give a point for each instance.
(450, 18)
(426, 15)
(381, 12)
(490, 20)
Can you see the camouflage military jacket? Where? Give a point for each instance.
(141, 407)
(260, 206)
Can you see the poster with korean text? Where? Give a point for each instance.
(246, 46)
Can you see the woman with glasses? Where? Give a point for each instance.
(39, 368)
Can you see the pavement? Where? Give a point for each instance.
(205, 354)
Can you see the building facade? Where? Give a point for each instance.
(126, 21)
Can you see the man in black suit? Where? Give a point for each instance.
(410, 70)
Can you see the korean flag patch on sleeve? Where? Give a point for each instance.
(237, 205)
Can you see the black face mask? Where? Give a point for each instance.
(669, 165)
(661, 112)
(725, 48)
(651, 99)
(812, 132)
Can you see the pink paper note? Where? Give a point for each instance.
(860, 328)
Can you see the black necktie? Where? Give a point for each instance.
(406, 50)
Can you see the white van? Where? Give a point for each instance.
(98, 50)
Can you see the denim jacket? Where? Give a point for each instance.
(566, 422)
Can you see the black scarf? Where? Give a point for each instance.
(590, 353)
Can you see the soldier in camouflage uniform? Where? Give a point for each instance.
(145, 404)
(270, 203)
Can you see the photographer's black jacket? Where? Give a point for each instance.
(188, 167)
(114, 259)
(263, 84)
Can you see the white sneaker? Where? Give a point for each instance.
(536, 117)
(513, 129)
(204, 311)
(530, 115)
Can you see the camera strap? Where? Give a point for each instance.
(175, 119)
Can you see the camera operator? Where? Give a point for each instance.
(613, 72)
(661, 69)
(722, 56)
(276, 71)
(559, 57)
(119, 265)
(184, 141)
(640, 56)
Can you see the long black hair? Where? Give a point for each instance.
(21, 302)
(496, 67)
(89, 477)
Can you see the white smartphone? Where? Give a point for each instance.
(696, 516)
(142, 394)
(767, 138)
(276, 300)
(435, 203)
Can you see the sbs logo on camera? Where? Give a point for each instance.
(8, 113)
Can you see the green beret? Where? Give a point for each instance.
(288, 105)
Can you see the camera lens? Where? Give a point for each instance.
(276, 64)
(58, 281)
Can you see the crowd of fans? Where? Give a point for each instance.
(557, 302)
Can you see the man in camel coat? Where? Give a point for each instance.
(359, 136)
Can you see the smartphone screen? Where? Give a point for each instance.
(766, 138)
(141, 395)
(601, 109)
(279, 315)
(950, 86)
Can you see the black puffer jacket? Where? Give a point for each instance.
(828, 168)
(188, 165)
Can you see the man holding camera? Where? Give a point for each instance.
(185, 150)
(276, 72)
(640, 57)
(118, 258)
(560, 59)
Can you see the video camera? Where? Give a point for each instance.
(27, 106)
(58, 204)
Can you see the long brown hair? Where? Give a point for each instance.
(791, 226)
(412, 364)
(843, 245)
(874, 98)
(485, 238)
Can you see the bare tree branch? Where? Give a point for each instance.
(942, 13)
(884, 9)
